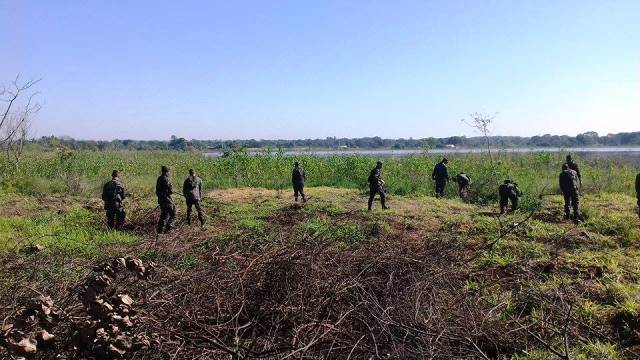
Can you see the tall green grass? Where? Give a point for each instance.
(83, 172)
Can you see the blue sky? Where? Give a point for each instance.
(300, 69)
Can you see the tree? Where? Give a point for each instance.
(17, 113)
(177, 143)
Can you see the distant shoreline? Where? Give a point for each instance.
(408, 152)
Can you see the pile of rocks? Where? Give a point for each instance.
(100, 324)
(108, 331)
(31, 327)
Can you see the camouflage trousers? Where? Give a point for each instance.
(504, 202)
(167, 217)
(571, 201)
(372, 194)
(115, 217)
(440, 185)
(298, 189)
(191, 203)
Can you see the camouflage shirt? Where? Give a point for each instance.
(375, 178)
(573, 166)
(463, 179)
(638, 186)
(440, 172)
(297, 176)
(113, 193)
(164, 189)
(192, 188)
(569, 182)
(509, 190)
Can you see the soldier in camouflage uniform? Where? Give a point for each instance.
(440, 175)
(164, 190)
(113, 195)
(573, 166)
(376, 185)
(571, 192)
(638, 192)
(464, 182)
(192, 191)
(297, 179)
(509, 191)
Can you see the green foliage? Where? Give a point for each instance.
(75, 172)
(76, 231)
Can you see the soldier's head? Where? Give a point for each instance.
(115, 173)
(569, 159)
(296, 164)
(565, 167)
(192, 172)
(507, 181)
(165, 170)
(445, 160)
(379, 164)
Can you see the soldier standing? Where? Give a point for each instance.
(192, 191)
(297, 179)
(464, 181)
(113, 194)
(573, 166)
(164, 190)
(638, 192)
(509, 191)
(570, 191)
(441, 175)
(376, 185)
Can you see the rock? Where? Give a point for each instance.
(125, 299)
(26, 347)
(115, 351)
(123, 342)
(45, 337)
(127, 322)
(120, 263)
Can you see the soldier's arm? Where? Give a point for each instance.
(185, 189)
(123, 192)
(104, 192)
(433, 173)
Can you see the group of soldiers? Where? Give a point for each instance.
(114, 193)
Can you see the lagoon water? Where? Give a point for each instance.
(634, 151)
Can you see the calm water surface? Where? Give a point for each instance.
(634, 151)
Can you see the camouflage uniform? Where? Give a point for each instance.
(297, 179)
(573, 166)
(113, 194)
(376, 186)
(463, 181)
(571, 191)
(164, 190)
(638, 192)
(509, 191)
(192, 191)
(441, 175)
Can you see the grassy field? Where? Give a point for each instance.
(84, 172)
(268, 278)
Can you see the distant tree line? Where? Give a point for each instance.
(176, 143)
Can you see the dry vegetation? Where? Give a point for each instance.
(266, 278)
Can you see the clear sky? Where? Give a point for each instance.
(299, 69)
